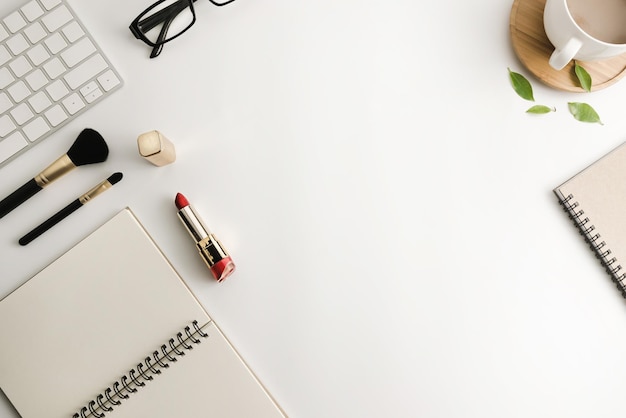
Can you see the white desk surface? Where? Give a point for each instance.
(386, 198)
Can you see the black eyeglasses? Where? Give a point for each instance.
(165, 21)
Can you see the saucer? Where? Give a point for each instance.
(532, 47)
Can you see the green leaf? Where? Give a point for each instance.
(583, 77)
(584, 113)
(540, 109)
(521, 86)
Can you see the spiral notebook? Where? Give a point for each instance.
(110, 329)
(595, 200)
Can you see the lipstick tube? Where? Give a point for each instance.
(211, 250)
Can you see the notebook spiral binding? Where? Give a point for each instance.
(143, 372)
(603, 253)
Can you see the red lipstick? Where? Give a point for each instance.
(211, 250)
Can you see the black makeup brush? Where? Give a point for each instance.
(88, 148)
(69, 209)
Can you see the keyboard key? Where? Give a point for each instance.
(35, 129)
(73, 32)
(17, 44)
(6, 126)
(20, 66)
(21, 114)
(56, 18)
(50, 4)
(57, 90)
(5, 102)
(85, 71)
(73, 103)
(6, 77)
(32, 10)
(36, 80)
(5, 55)
(78, 52)
(19, 91)
(108, 80)
(11, 145)
(55, 115)
(38, 55)
(88, 88)
(35, 32)
(55, 43)
(14, 22)
(3, 33)
(39, 102)
(54, 68)
(93, 96)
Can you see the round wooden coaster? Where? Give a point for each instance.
(533, 48)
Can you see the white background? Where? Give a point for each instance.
(386, 198)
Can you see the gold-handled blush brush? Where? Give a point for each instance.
(88, 148)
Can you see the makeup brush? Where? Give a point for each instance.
(88, 148)
(71, 208)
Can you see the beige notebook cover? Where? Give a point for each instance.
(595, 199)
(110, 329)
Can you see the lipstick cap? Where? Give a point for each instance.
(156, 148)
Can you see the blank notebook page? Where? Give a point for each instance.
(97, 312)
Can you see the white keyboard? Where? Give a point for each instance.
(51, 70)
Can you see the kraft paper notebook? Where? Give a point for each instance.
(110, 329)
(595, 200)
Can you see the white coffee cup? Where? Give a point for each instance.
(586, 30)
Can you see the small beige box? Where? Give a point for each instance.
(156, 148)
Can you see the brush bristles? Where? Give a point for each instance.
(89, 148)
(114, 178)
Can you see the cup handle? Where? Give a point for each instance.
(560, 57)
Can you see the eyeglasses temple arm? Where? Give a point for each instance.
(162, 35)
(161, 16)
